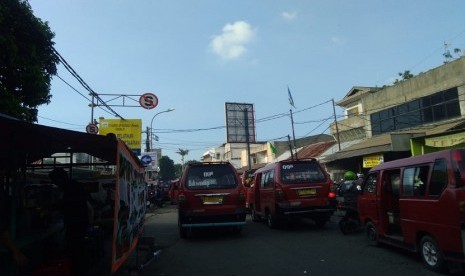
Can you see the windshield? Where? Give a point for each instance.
(305, 172)
(211, 177)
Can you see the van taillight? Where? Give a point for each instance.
(331, 194)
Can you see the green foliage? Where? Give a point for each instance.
(167, 169)
(404, 76)
(27, 60)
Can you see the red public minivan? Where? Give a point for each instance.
(210, 195)
(418, 203)
(292, 189)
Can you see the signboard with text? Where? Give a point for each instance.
(129, 130)
(372, 160)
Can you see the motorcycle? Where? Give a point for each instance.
(347, 209)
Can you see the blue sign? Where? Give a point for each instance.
(146, 159)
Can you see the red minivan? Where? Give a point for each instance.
(210, 195)
(292, 189)
(418, 203)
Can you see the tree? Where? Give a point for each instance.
(183, 152)
(167, 169)
(27, 60)
(404, 76)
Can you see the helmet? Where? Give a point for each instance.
(350, 175)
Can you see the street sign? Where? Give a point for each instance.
(148, 101)
(146, 159)
(92, 129)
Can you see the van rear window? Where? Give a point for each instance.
(302, 172)
(211, 177)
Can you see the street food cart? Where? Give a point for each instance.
(104, 164)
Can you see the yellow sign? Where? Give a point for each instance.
(372, 160)
(445, 141)
(129, 130)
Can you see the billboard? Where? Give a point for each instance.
(240, 123)
(129, 130)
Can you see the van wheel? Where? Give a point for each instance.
(253, 213)
(371, 233)
(271, 221)
(431, 254)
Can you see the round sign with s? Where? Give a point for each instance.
(148, 101)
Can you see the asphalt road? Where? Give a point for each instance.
(300, 249)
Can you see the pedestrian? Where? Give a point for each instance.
(77, 218)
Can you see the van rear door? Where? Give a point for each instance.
(304, 182)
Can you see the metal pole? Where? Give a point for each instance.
(293, 133)
(246, 118)
(290, 146)
(337, 128)
(151, 125)
(147, 141)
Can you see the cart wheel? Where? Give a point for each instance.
(431, 254)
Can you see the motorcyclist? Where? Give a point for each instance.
(348, 184)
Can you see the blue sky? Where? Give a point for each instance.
(197, 55)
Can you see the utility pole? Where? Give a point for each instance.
(337, 128)
(247, 138)
(147, 141)
(293, 134)
(290, 146)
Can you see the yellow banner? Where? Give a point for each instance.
(129, 130)
(445, 141)
(372, 160)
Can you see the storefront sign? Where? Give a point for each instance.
(372, 160)
(445, 141)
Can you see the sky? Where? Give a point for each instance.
(197, 55)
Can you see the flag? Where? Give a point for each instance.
(291, 101)
(273, 149)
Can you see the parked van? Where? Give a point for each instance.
(210, 195)
(418, 203)
(292, 189)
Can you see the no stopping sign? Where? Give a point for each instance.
(148, 101)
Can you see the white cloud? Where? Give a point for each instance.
(232, 42)
(289, 15)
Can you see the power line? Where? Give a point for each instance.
(83, 83)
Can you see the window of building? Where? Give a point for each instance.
(429, 109)
(353, 111)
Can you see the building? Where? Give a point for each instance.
(426, 111)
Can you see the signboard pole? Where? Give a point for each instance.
(247, 138)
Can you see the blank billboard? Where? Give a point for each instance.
(240, 123)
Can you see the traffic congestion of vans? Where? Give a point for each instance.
(415, 203)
